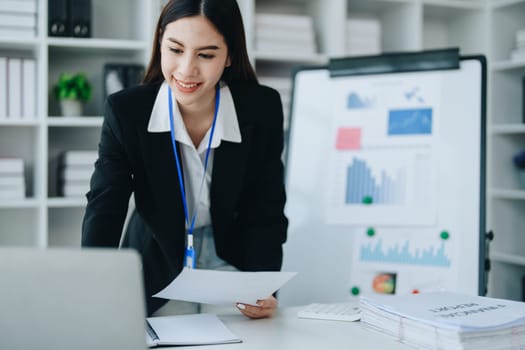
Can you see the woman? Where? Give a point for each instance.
(199, 145)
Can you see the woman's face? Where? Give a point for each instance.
(193, 57)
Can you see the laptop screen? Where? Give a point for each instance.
(71, 299)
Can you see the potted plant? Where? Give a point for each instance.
(519, 162)
(72, 90)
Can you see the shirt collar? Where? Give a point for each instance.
(226, 128)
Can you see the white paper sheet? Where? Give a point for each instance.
(224, 287)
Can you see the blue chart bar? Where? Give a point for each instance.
(361, 184)
(410, 121)
(402, 255)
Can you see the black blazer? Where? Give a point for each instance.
(247, 190)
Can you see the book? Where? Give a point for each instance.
(18, 20)
(195, 329)
(11, 166)
(15, 192)
(446, 320)
(77, 173)
(18, 6)
(76, 189)
(11, 181)
(78, 158)
(20, 33)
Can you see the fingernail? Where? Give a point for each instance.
(241, 306)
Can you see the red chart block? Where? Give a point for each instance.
(348, 139)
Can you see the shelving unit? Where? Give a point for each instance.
(43, 219)
(506, 203)
(476, 26)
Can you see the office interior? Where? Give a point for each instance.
(40, 137)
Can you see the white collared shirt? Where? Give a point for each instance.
(192, 159)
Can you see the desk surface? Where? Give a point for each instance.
(286, 331)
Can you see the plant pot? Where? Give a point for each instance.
(71, 108)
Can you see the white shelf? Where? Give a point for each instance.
(495, 4)
(22, 122)
(97, 44)
(507, 129)
(507, 194)
(456, 4)
(20, 203)
(17, 43)
(87, 121)
(290, 57)
(507, 258)
(61, 202)
(507, 65)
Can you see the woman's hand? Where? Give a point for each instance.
(266, 308)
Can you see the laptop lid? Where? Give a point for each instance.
(71, 299)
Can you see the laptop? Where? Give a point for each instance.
(66, 298)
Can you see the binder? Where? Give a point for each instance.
(118, 76)
(3, 87)
(80, 18)
(57, 18)
(14, 84)
(523, 99)
(28, 88)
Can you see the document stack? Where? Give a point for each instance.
(363, 36)
(284, 33)
(18, 19)
(444, 320)
(518, 54)
(12, 183)
(283, 85)
(75, 170)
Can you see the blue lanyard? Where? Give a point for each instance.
(190, 251)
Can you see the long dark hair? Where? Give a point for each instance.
(225, 16)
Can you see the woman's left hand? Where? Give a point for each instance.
(266, 308)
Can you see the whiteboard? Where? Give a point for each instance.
(385, 183)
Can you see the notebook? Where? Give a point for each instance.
(196, 329)
(71, 299)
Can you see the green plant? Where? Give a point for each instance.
(73, 87)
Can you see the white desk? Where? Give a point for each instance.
(286, 331)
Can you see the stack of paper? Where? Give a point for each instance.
(284, 86)
(518, 54)
(18, 18)
(363, 36)
(284, 33)
(75, 170)
(443, 320)
(12, 183)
